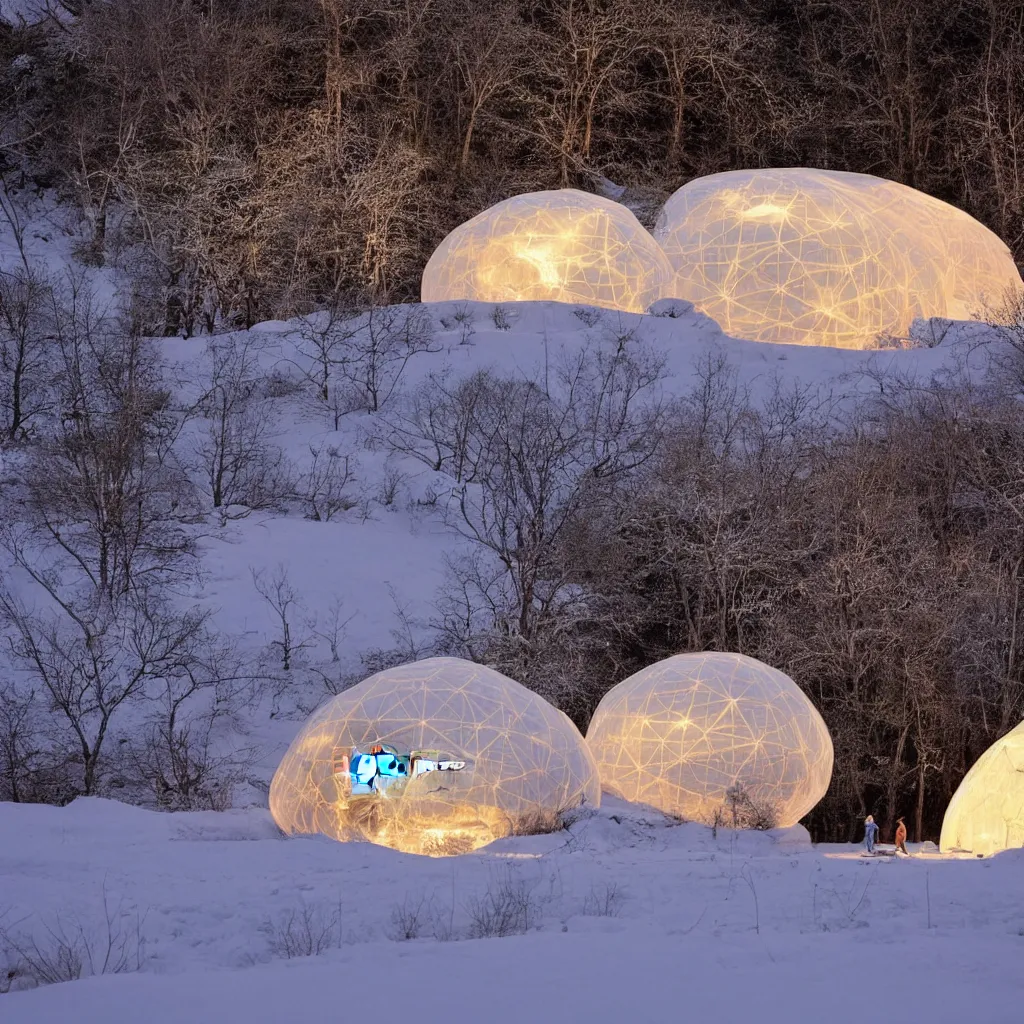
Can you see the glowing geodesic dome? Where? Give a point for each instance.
(525, 761)
(827, 258)
(564, 245)
(713, 737)
(986, 814)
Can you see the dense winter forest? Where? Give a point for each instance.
(275, 153)
(239, 160)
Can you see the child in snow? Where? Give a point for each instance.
(870, 831)
(901, 837)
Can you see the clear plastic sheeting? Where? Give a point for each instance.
(519, 762)
(717, 738)
(826, 257)
(986, 814)
(563, 245)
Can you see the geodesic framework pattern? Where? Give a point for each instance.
(525, 761)
(704, 736)
(986, 814)
(815, 257)
(563, 245)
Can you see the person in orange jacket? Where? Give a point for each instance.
(901, 837)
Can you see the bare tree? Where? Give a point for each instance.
(93, 658)
(25, 349)
(241, 465)
(324, 340)
(283, 600)
(105, 493)
(539, 457)
(379, 352)
(185, 756)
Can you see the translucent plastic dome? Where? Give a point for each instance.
(508, 761)
(564, 245)
(827, 258)
(713, 738)
(986, 814)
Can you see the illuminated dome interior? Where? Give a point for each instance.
(986, 814)
(563, 245)
(515, 761)
(713, 738)
(827, 258)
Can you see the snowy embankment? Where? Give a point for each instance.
(624, 916)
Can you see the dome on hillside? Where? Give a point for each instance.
(563, 245)
(437, 757)
(717, 738)
(815, 257)
(986, 814)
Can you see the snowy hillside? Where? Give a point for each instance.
(623, 916)
(212, 916)
(382, 562)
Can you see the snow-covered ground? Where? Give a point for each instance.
(629, 917)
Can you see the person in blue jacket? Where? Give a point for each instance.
(870, 831)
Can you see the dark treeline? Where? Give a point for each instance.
(251, 157)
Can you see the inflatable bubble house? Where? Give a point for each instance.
(437, 757)
(562, 245)
(716, 738)
(814, 257)
(986, 814)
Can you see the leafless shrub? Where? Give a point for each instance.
(410, 918)
(377, 353)
(36, 762)
(605, 901)
(105, 497)
(391, 484)
(94, 658)
(184, 756)
(834, 909)
(304, 930)
(284, 602)
(502, 318)
(746, 812)
(242, 467)
(324, 483)
(587, 315)
(462, 321)
(507, 908)
(68, 948)
(747, 875)
(332, 627)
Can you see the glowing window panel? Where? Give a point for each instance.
(709, 736)
(986, 814)
(813, 257)
(499, 760)
(563, 245)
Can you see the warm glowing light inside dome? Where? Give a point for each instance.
(805, 256)
(702, 735)
(562, 245)
(515, 761)
(986, 814)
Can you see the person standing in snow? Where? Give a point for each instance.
(870, 831)
(901, 837)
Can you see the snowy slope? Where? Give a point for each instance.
(382, 557)
(629, 916)
(741, 927)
